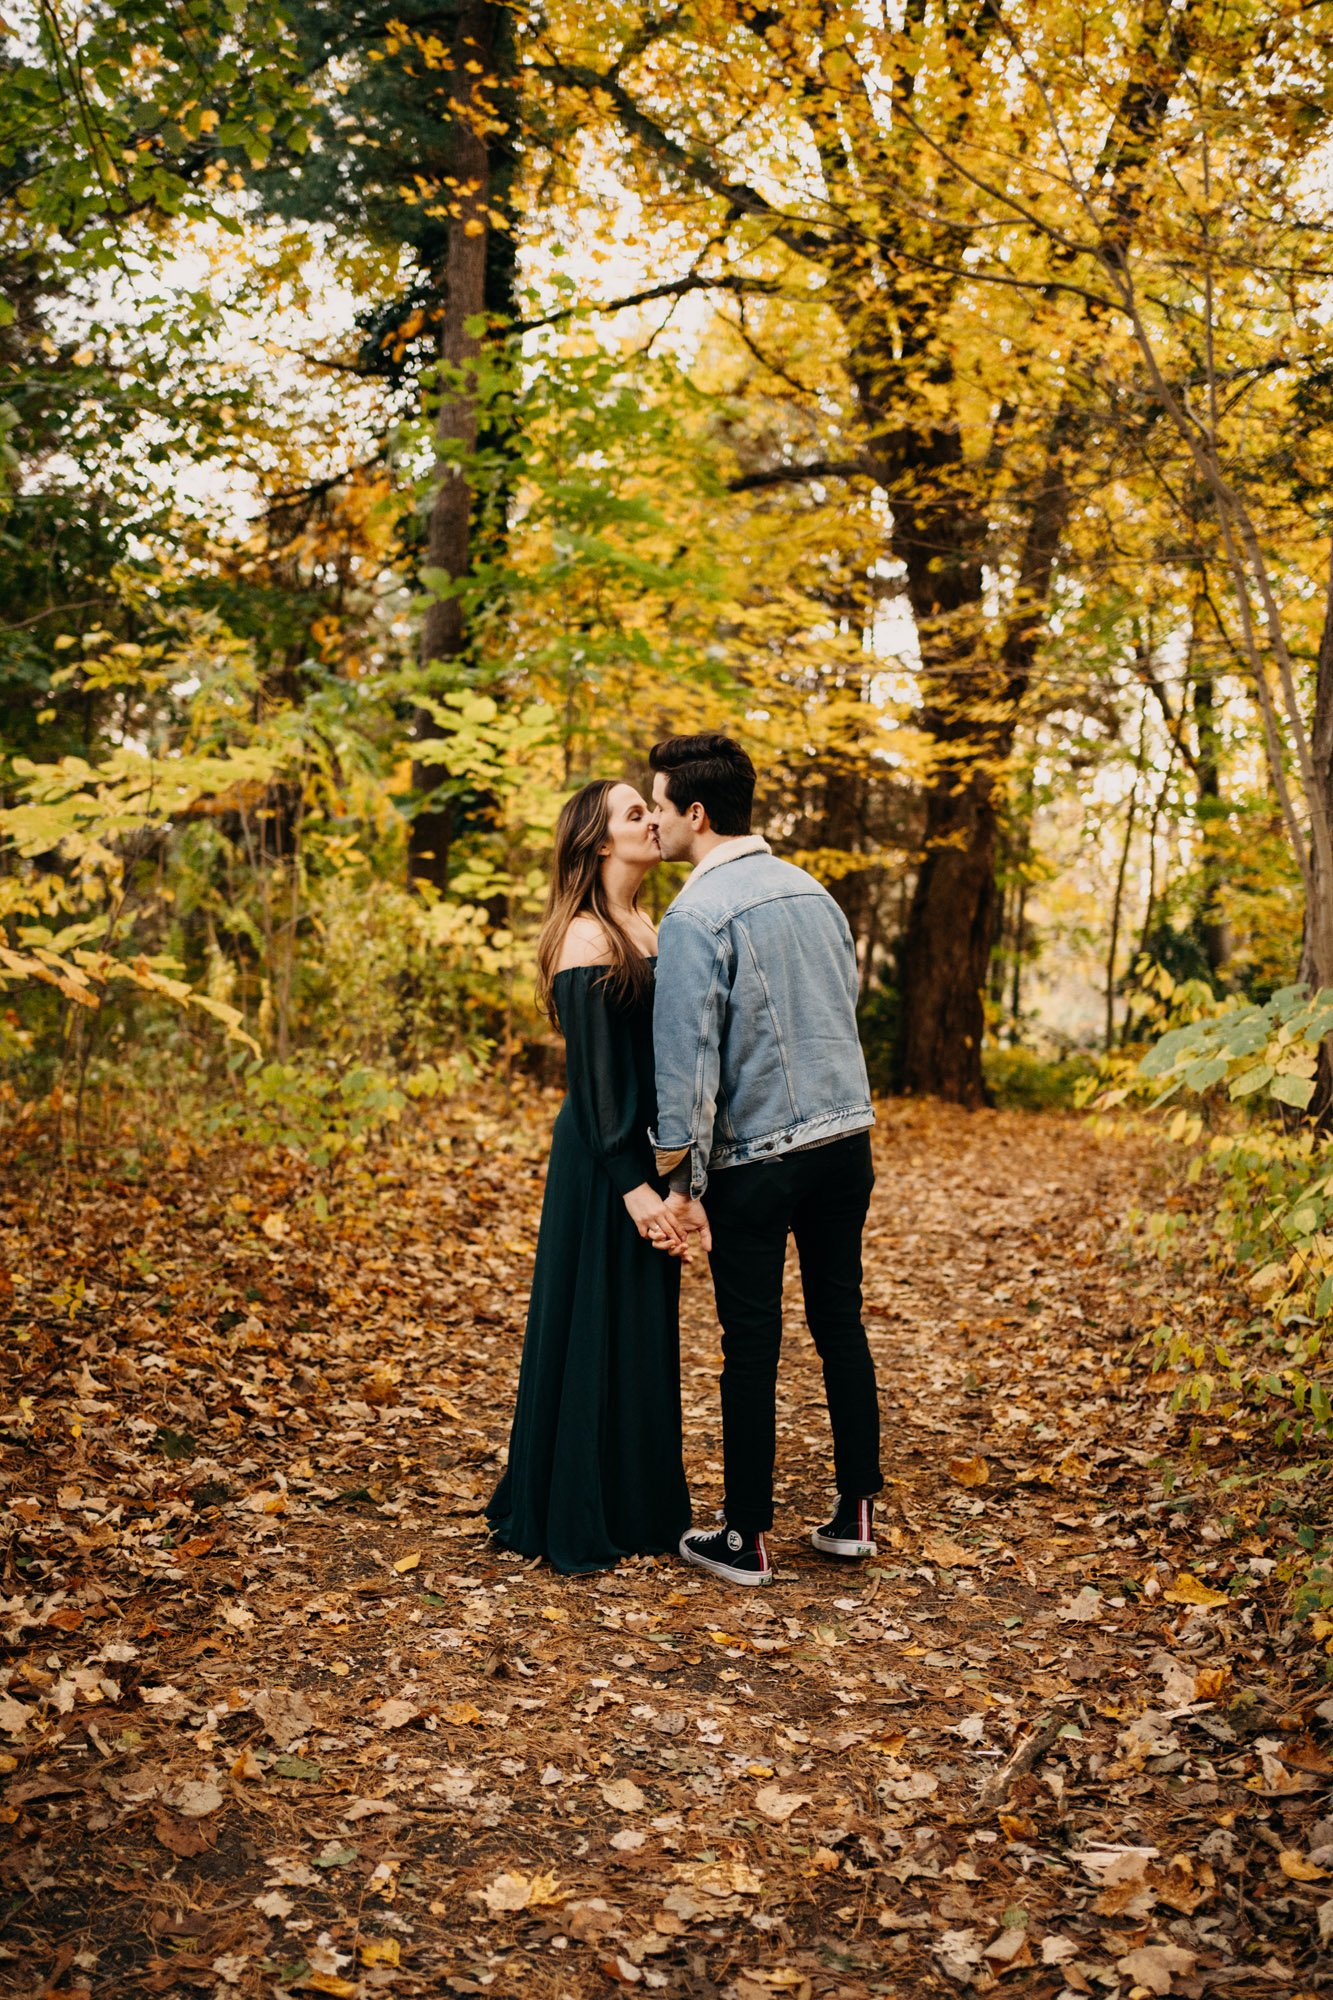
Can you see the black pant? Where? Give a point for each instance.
(821, 1196)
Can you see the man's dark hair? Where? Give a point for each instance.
(712, 769)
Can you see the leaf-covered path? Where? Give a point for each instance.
(278, 1719)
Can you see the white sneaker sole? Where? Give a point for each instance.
(830, 1545)
(729, 1575)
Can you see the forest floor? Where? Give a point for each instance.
(278, 1720)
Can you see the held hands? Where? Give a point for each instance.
(651, 1217)
(686, 1218)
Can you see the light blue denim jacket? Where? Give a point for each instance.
(754, 1016)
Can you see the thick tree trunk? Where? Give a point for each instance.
(970, 717)
(947, 948)
(443, 633)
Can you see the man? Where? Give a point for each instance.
(763, 1116)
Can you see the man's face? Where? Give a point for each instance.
(675, 830)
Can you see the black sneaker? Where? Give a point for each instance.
(851, 1531)
(730, 1554)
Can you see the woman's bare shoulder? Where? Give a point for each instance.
(584, 943)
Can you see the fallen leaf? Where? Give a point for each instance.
(1010, 1950)
(623, 1795)
(969, 1471)
(1297, 1867)
(396, 1713)
(286, 1715)
(461, 1713)
(628, 1840)
(380, 1951)
(196, 1797)
(273, 1904)
(959, 1954)
(179, 1836)
(1189, 1589)
(590, 1919)
(405, 1563)
(777, 1805)
(1154, 1965)
(518, 1892)
(1082, 1609)
(947, 1554)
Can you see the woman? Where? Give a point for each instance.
(595, 1468)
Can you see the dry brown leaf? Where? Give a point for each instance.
(777, 1805)
(395, 1713)
(623, 1795)
(182, 1837)
(1156, 1965)
(969, 1471)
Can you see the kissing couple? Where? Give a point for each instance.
(717, 1094)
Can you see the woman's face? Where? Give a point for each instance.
(629, 833)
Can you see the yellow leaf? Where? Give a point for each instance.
(329, 1982)
(969, 1471)
(276, 1227)
(380, 1951)
(1017, 1826)
(519, 1892)
(405, 1563)
(1298, 1867)
(1188, 1589)
(554, 1614)
(461, 1713)
(247, 1765)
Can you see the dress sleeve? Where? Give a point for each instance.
(603, 1083)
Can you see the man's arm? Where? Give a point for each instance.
(689, 1007)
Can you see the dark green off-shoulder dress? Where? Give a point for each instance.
(595, 1468)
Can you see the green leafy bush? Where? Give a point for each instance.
(1021, 1080)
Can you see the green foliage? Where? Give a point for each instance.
(1021, 1080)
(1272, 1218)
(1268, 1050)
(879, 1017)
(322, 1110)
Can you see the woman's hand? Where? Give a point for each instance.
(654, 1221)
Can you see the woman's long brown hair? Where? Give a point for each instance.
(577, 890)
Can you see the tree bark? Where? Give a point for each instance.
(481, 24)
(1317, 948)
(970, 716)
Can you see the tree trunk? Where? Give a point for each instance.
(947, 948)
(1208, 771)
(478, 38)
(970, 718)
(1317, 950)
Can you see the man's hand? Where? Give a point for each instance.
(688, 1218)
(648, 1212)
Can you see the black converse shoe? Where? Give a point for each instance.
(730, 1554)
(850, 1532)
